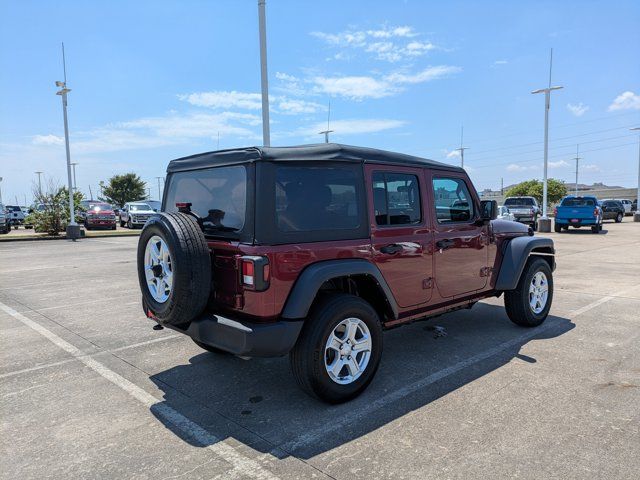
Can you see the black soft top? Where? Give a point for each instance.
(319, 152)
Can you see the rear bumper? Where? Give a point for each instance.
(579, 223)
(244, 338)
(525, 219)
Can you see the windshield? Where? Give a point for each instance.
(578, 202)
(217, 195)
(97, 207)
(519, 202)
(13, 208)
(139, 207)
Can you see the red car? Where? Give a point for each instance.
(313, 251)
(100, 215)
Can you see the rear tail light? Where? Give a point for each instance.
(254, 273)
(555, 211)
(595, 212)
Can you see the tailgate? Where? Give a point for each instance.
(580, 213)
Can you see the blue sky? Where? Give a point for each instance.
(152, 81)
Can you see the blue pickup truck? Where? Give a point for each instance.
(578, 212)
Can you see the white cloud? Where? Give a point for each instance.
(626, 101)
(47, 140)
(558, 164)
(590, 168)
(355, 126)
(514, 167)
(578, 110)
(221, 99)
(297, 107)
(453, 154)
(359, 87)
(501, 62)
(390, 44)
(355, 87)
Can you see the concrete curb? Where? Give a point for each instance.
(36, 237)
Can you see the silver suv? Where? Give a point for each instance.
(135, 214)
(525, 209)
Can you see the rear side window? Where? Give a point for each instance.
(396, 198)
(315, 198)
(218, 196)
(452, 200)
(578, 202)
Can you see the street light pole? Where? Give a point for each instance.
(39, 182)
(73, 230)
(462, 148)
(159, 189)
(328, 130)
(262, 24)
(75, 184)
(636, 216)
(577, 158)
(0, 190)
(545, 225)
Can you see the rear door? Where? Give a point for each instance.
(400, 233)
(461, 242)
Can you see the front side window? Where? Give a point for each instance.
(311, 199)
(217, 195)
(396, 199)
(452, 200)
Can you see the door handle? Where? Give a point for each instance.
(391, 249)
(444, 244)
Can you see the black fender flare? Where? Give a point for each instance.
(515, 256)
(312, 277)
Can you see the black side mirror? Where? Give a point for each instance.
(488, 210)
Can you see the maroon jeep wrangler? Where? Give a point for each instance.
(315, 250)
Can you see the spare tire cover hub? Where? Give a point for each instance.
(157, 269)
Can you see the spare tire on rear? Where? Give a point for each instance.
(174, 268)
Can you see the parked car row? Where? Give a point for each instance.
(574, 212)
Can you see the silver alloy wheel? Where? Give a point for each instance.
(538, 292)
(157, 269)
(347, 351)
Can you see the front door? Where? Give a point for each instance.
(400, 235)
(460, 241)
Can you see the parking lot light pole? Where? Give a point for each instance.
(39, 182)
(264, 80)
(636, 215)
(73, 230)
(75, 184)
(159, 188)
(0, 190)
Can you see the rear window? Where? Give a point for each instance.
(217, 195)
(519, 202)
(578, 202)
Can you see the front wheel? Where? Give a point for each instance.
(528, 305)
(619, 218)
(339, 349)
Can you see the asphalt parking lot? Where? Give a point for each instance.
(89, 390)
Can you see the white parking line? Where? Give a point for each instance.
(69, 360)
(355, 416)
(243, 465)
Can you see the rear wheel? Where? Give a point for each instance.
(339, 349)
(129, 223)
(619, 218)
(528, 305)
(557, 228)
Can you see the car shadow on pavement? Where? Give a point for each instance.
(259, 398)
(584, 231)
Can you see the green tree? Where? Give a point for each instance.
(121, 189)
(556, 189)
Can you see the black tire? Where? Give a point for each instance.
(596, 228)
(209, 348)
(121, 224)
(619, 218)
(114, 227)
(557, 228)
(534, 225)
(307, 357)
(516, 301)
(190, 265)
(129, 223)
